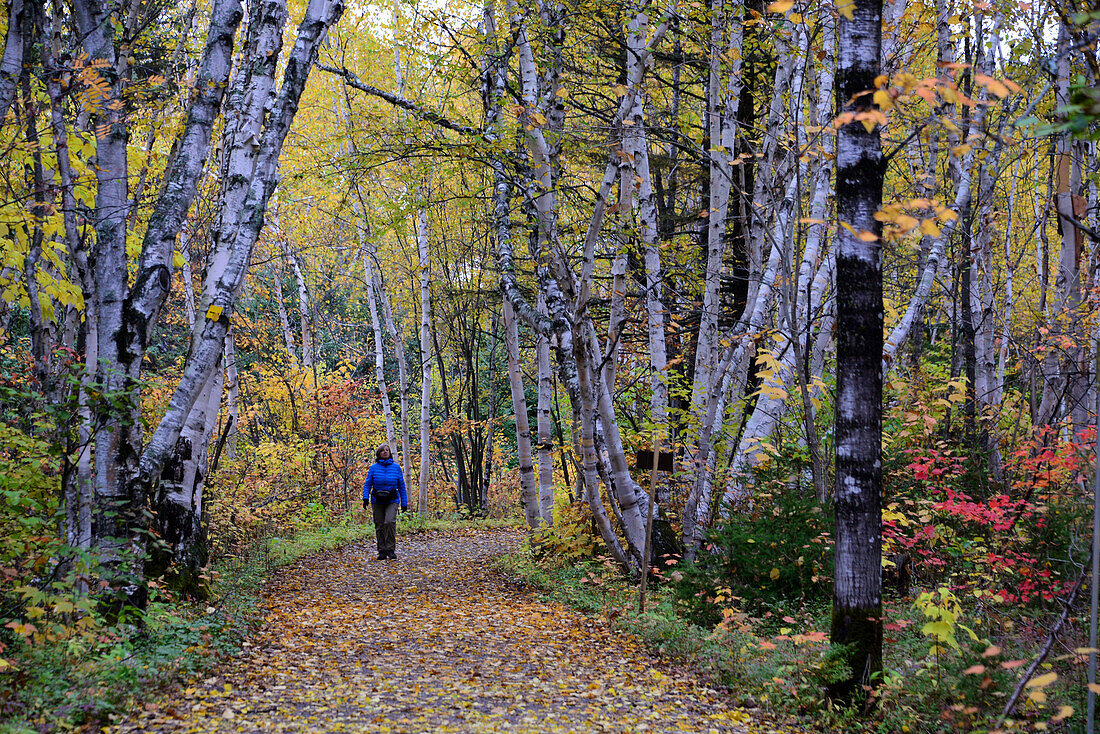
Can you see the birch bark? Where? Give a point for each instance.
(208, 343)
(857, 600)
(376, 327)
(545, 437)
(304, 319)
(11, 64)
(636, 148)
(425, 360)
(529, 490)
(723, 94)
(402, 371)
(124, 316)
(232, 395)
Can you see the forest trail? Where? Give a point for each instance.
(435, 642)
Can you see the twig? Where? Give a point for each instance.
(399, 101)
(1047, 647)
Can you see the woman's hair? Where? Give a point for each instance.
(378, 451)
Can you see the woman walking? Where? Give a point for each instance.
(384, 488)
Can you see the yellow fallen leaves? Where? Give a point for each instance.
(435, 642)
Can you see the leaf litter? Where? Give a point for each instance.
(436, 641)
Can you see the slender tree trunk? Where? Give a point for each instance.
(545, 437)
(232, 396)
(637, 148)
(494, 412)
(425, 360)
(284, 321)
(402, 370)
(529, 491)
(379, 353)
(304, 320)
(723, 93)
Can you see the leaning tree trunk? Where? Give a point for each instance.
(137, 471)
(860, 167)
(179, 496)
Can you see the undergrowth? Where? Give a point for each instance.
(936, 679)
(91, 679)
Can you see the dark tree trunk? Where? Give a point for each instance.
(857, 591)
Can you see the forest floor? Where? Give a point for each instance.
(437, 641)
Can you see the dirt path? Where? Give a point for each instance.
(434, 642)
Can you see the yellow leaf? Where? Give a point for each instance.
(177, 260)
(929, 228)
(1042, 681)
(868, 123)
(214, 313)
(1095, 688)
(1064, 712)
(563, 93)
(960, 150)
(906, 222)
(780, 6)
(539, 118)
(883, 99)
(867, 237)
(846, 8)
(774, 574)
(1037, 697)
(905, 81)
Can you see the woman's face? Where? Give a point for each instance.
(384, 453)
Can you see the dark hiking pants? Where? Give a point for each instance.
(385, 527)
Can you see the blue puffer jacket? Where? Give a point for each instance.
(385, 474)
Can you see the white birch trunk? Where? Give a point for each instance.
(529, 490)
(11, 64)
(425, 359)
(402, 372)
(1010, 271)
(304, 319)
(723, 93)
(232, 395)
(379, 353)
(284, 322)
(636, 147)
(545, 438)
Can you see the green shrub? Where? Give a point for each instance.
(779, 549)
